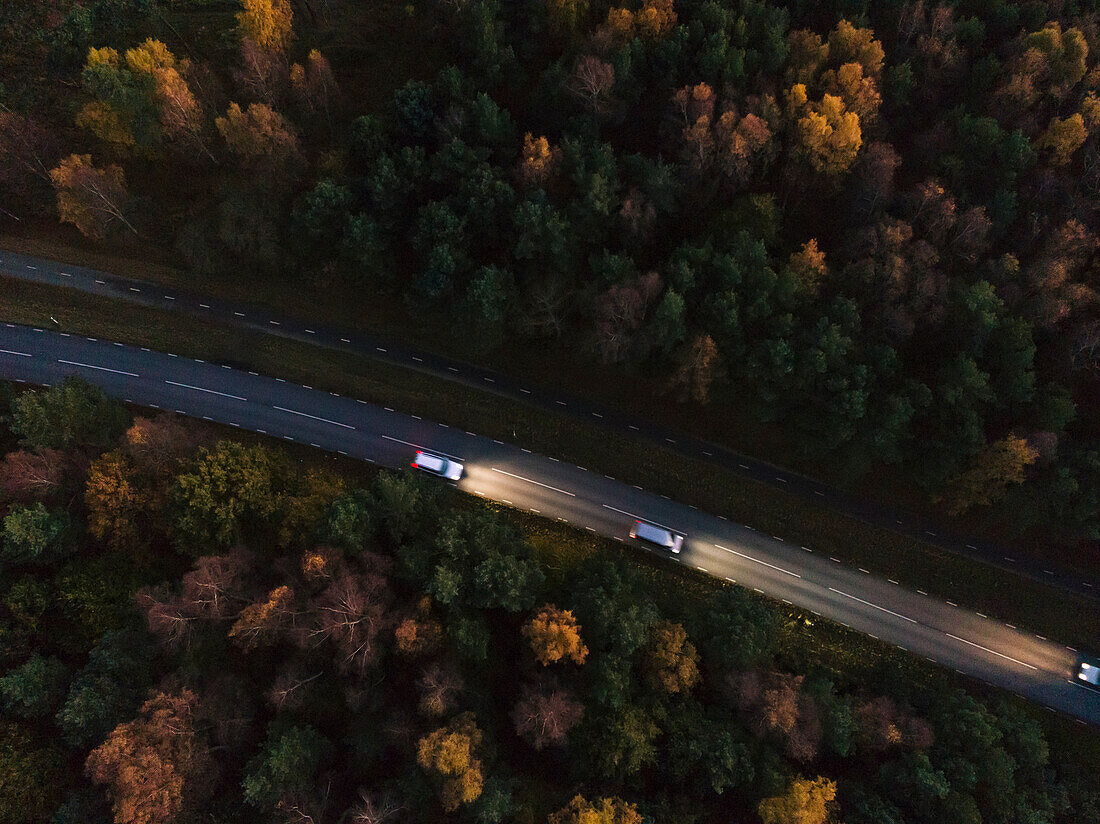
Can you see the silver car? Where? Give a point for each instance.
(438, 465)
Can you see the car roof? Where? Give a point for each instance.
(655, 533)
(431, 461)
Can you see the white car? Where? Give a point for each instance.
(657, 535)
(438, 465)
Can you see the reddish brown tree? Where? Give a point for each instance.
(288, 690)
(592, 81)
(170, 618)
(545, 719)
(26, 476)
(351, 614)
(214, 587)
(620, 311)
(157, 765)
(439, 686)
(28, 151)
(775, 704)
(262, 75)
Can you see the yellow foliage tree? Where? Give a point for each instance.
(673, 661)
(805, 802)
(984, 482)
(554, 634)
(567, 15)
(540, 160)
(850, 44)
(149, 56)
(114, 500)
(829, 135)
(808, 265)
(267, 23)
(1062, 138)
(656, 19)
(89, 198)
(600, 811)
(451, 754)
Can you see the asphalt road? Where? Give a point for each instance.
(253, 317)
(970, 643)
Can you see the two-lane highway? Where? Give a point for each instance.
(951, 636)
(262, 319)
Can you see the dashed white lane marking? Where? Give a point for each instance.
(596, 415)
(344, 340)
(998, 654)
(65, 274)
(536, 483)
(314, 417)
(781, 480)
(703, 569)
(758, 561)
(876, 606)
(636, 517)
(560, 403)
(21, 354)
(204, 306)
(418, 360)
(208, 391)
(952, 604)
(310, 332)
(819, 492)
(380, 349)
(669, 440)
(426, 449)
(274, 323)
(777, 538)
(101, 282)
(632, 426)
(525, 391)
(488, 380)
(99, 368)
(32, 267)
(169, 297)
(239, 314)
(134, 289)
(743, 466)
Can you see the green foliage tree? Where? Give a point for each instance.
(35, 534)
(108, 689)
(227, 491)
(74, 413)
(35, 689)
(286, 765)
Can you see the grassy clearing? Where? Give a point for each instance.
(1053, 613)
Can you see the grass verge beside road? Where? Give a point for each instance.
(1056, 614)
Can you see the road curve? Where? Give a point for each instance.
(256, 318)
(972, 644)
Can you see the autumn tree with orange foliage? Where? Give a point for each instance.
(418, 634)
(989, 475)
(808, 266)
(91, 199)
(156, 766)
(804, 802)
(450, 755)
(554, 634)
(262, 623)
(268, 23)
(697, 365)
(672, 661)
(262, 140)
(538, 162)
(600, 811)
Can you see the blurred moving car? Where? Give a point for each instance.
(657, 535)
(1088, 672)
(438, 465)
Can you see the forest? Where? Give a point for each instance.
(197, 629)
(872, 223)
